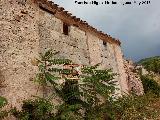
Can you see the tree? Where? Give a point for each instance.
(85, 94)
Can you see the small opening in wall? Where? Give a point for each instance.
(65, 28)
(104, 43)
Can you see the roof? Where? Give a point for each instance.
(65, 16)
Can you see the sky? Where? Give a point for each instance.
(136, 25)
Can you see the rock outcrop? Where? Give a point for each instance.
(133, 78)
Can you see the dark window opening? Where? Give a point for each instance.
(104, 43)
(65, 28)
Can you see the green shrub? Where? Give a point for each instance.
(82, 97)
(88, 97)
(150, 85)
(151, 64)
(38, 109)
(134, 107)
(3, 102)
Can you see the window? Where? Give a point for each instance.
(65, 28)
(104, 43)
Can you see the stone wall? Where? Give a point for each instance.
(19, 43)
(26, 30)
(72, 46)
(121, 71)
(82, 47)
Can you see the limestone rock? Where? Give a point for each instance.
(134, 81)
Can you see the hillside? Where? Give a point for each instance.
(151, 81)
(151, 64)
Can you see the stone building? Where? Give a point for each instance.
(28, 27)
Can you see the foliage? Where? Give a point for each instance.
(3, 102)
(150, 85)
(151, 64)
(134, 107)
(38, 109)
(84, 96)
(137, 107)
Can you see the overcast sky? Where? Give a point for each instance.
(137, 26)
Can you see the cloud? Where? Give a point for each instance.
(137, 27)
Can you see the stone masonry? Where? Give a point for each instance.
(28, 27)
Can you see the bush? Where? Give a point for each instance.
(84, 96)
(151, 64)
(38, 109)
(3, 102)
(134, 107)
(150, 85)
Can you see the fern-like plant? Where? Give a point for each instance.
(85, 94)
